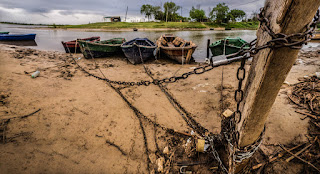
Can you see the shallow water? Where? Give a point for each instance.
(51, 39)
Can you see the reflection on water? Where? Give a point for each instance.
(51, 39)
(20, 43)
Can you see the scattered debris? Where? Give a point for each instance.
(200, 145)
(318, 75)
(35, 74)
(166, 150)
(227, 113)
(306, 95)
(160, 162)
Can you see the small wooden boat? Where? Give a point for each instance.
(73, 46)
(176, 48)
(227, 46)
(4, 32)
(99, 49)
(17, 37)
(316, 36)
(20, 42)
(138, 50)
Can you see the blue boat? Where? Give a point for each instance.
(138, 50)
(17, 37)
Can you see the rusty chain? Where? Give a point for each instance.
(293, 41)
(197, 71)
(141, 115)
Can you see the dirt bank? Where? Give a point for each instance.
(85, 127)
(127, 29)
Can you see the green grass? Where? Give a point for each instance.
(155, 25)
(15, 23)
(116, 25)
(240, 25)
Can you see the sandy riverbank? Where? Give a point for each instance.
(81, 115)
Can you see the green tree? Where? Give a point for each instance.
(147, 10)
(157, 13)
(197, 14)
(170, 11)
(236, 14)
(219, 13)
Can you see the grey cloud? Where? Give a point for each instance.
(118, 7)
(40, 10)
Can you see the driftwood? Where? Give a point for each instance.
(306, 94)
(299, 158)
(317, 124)
(271, 159)
(298, 153)
(307, 114)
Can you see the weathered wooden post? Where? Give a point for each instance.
(208, 49)
(270, 67)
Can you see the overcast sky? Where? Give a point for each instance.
(85, 11)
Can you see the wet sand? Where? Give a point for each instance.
(79, 114)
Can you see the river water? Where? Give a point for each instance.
(48, 39)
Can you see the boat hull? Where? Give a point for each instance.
(179, 55)
(99, 50)
(17, 37)
(133, 54)
(73, 46)
(232, 45)
(138, 50)
(4, 32)
(176, 48)
(218, 50)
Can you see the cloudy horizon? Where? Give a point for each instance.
(82, 12)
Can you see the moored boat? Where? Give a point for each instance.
(176, 48)
(4, 32)
(138, 50)
(99, 49)
(73, 46)
(227, 46)
(17, 37)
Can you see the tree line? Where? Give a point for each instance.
(219, 14)
(169, 12)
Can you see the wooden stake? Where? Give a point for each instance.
(270, 67)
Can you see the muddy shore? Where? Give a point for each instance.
(130, 29)
(83, 126)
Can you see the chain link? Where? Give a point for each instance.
(293, 41)
(230, 134)
(197, 71)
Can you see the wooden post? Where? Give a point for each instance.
(270, 67)
(208, 48)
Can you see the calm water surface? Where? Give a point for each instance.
(51, 39)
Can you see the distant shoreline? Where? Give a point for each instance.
(139, 29)
(147, 26)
